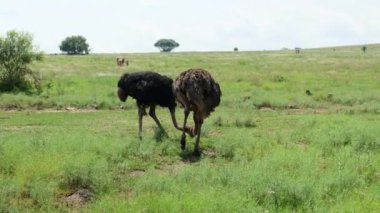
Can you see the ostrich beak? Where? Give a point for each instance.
(122, 95)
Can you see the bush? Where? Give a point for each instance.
(16, 53)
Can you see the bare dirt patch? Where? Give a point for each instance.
(137, 173)
(215, 133)
(209, 153)
(172, 168)
(69, 109)
(78, 198)
(50, 110)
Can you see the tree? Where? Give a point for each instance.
(16, 53)
(166, 45)
(74, 45)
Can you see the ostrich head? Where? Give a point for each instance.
(122, 92)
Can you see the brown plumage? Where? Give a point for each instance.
(197, 91)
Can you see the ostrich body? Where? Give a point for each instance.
(197, 91)
(149, 89)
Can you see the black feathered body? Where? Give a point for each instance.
(148, 88)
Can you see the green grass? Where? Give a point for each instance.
(267, 147)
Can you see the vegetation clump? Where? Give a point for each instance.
(166, 45)
(75, 45)
(16, 55)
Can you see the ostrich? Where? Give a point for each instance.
(197, 91)
(149, 89)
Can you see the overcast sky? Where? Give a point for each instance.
(197, 25)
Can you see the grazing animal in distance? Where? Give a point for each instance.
(149, 89)
(121, 61)
(197, 91)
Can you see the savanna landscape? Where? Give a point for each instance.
(294, 132)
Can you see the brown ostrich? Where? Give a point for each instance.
(197, 91)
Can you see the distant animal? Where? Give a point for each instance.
(364, 48)
(297, 50)
(149, 89)
(197, 91)
(121, 61)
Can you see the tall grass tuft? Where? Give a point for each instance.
(86, 172)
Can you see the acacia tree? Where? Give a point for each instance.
(16, 53)
(166, 45)
(74, 45)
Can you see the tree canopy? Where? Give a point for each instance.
(16, 53)
(166, 45)
(74, 45)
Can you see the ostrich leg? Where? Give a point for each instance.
(141, 114)
(183, 138)
(174, 120)
(198, 120)
(152, 113)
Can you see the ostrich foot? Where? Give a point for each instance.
(197, 152)
(183, 143)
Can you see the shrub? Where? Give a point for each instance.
(16, 53)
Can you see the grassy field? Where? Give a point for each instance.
(269, 147)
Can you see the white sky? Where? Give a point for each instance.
(197, 25)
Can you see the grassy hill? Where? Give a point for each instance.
(269, 146)
(275, 78)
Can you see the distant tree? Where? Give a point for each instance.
(74, 45)
(364, 48)
(297, 50)
(236, 49)
(166, 45)
(16, 54)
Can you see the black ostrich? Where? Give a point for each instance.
(197, 91)
(149, 89)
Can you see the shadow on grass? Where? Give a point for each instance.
(189, 156)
